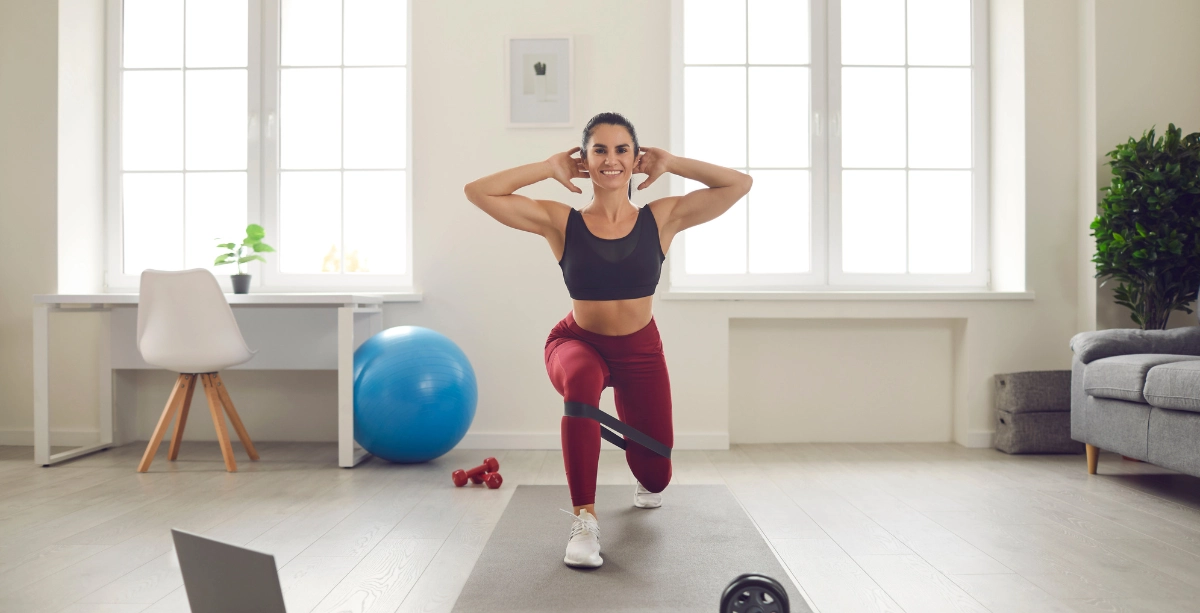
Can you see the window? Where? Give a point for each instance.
(861, 122)
(288, 113)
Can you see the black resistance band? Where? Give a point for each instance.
(578, 409)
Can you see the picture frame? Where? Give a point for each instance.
(539, 81)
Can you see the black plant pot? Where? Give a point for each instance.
(241, 284)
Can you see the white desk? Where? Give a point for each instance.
(289, 331)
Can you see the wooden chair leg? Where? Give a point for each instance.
(177, 437)
(218, 415)
(164, 420)
(1093, 457)
(234, 418)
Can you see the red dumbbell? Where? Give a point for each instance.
(460, 477)
(493, 480)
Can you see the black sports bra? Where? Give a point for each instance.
(612, 269)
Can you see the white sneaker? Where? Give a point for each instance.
(645, 499)
(583, 548)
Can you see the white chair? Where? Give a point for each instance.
(185, 324)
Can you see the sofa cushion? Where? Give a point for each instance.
(1098, 344)
(1123, 377)
(1174, 386)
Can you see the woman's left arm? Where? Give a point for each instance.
(725, 187)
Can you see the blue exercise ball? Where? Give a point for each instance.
(414, 394)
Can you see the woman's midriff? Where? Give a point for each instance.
(614, 317)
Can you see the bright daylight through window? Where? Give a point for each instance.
(287, 113)
(858, 120)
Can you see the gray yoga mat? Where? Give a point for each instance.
(676, 558)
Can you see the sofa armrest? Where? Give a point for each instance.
(1092, 346)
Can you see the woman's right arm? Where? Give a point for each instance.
(494, 193)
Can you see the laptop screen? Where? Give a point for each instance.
(224, 578)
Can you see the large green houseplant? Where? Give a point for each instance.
(1148, 229)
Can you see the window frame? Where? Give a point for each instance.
(825, 210)
(262, 161)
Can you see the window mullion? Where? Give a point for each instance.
(833, 149)
(342, 151)
(907, 148)
(183, 199)
(269, 178)
(256, 129)
(746, 71)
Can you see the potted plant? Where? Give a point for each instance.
(252, 245)
(1148, 230)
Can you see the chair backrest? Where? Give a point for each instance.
(184, 320)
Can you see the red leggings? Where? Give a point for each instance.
(581, 364)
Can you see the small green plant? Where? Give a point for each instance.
(252, 243)
(1148, 230)
(539, 68)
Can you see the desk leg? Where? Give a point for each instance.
(348, 453)
(42, 455)
(41, 385)
(107, 428)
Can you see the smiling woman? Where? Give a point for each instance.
(611, 254)
(611, 119)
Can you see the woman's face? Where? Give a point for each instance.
(610, 156)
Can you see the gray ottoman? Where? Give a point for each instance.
(1033, 412)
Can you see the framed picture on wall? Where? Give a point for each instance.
(540, 81)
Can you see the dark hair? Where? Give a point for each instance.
(612, 119)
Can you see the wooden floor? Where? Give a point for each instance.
(921, 528)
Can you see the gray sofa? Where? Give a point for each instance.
(1137, 393)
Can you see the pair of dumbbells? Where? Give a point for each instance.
(484, 473)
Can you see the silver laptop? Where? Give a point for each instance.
(224, 578)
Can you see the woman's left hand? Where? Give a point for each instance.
(651, 161)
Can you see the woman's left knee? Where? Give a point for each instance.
(654, 473)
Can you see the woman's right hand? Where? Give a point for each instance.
(566, 168)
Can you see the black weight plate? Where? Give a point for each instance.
(754, 593)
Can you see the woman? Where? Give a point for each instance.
(611, 255)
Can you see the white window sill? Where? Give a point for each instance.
(874, 295)
(409, 296)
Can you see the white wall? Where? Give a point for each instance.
(80, 145)
(497, 291)
(873, 380)
(1147, 58)
(28, 162)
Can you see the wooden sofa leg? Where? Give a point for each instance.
(1093, 457)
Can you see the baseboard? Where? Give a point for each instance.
(61, 437)
(481, 440)
(553, 440)
(485, 440)
(979, 439)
